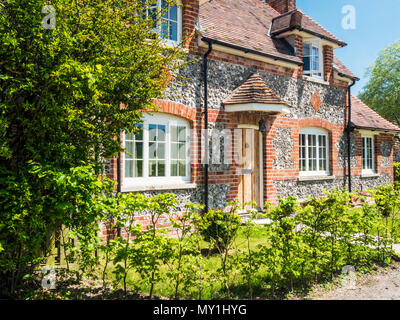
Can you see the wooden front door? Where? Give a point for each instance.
(251, 176)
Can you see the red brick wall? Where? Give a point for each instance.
(106, 233)
(298, 44)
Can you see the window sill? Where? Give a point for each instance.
(315, 178)
(369, 175)
(158, 187)
(316, 80)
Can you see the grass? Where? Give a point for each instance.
(211, 286)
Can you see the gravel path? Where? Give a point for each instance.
(383, 284)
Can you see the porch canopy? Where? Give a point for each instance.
(255, 96)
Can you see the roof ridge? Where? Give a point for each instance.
(287, 13)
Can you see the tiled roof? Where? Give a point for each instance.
(254, 90)
(364, 117)
(296, 19)
(243, 23)
(342, 69)
(246, 23)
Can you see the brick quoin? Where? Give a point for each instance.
(328, 63)
(298, 44)
(190, 12)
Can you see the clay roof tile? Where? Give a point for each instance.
(243, 23)
(254, 90)
(247, 23)
(342, 69)
(365, 118)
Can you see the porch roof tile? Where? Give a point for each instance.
(254, 90)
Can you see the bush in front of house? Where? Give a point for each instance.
(76, 200)
(219, 227)
(300, 247)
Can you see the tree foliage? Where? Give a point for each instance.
(61, 92)
(382, 92)
(396, 169)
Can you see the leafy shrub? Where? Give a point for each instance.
(183, 262)
(387, 200)
(281, 257)
(74, 199)
(219, 227)
(150, 248)
(328, 234)
(249, 261)
(302, 244)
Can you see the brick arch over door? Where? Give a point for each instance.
(174, 108)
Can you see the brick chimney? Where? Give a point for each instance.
(282, 6)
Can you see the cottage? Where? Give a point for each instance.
(267, 88)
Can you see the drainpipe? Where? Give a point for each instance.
(119, 168)
(205, 73)
(349, 129)
(119, 175)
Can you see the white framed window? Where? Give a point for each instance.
(170, 26)
(313, 58)
(368, 154)
(314, 152)
(159, 153)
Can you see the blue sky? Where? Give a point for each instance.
(377, 26)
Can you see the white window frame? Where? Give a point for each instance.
(364, 159)
(179, 24)
(168, 121)
(314, 43)
(314, 132)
